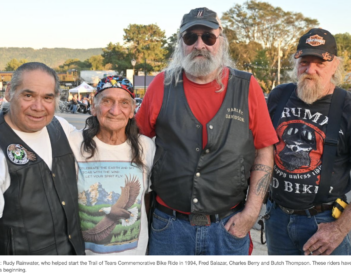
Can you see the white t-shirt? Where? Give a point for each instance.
(40, 143)
(101, 181)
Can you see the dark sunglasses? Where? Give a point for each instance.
(208, 38)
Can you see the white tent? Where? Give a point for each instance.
(82, 88)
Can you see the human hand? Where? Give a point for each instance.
(240, 224)
(325, 240)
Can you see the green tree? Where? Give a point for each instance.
(244, 53)
(13, 64)
(146, 42)
(343, 42)
(76, 64)
(96, 62)
(260, 26)
(170, 44)
(116, 57)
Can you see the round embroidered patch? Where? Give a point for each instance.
(19, 155)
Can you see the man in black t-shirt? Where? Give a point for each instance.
(295, 223)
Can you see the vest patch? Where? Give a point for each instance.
(19, 155)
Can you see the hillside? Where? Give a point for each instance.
(51, 57)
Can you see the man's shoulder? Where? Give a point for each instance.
(347, 101)
(159, 77)
(240, 74)
(156, 84)
(75, 139)
(282, 88)
(76, 134)
(66, 126)
(146, 141)
(277, 92)
(348, 95)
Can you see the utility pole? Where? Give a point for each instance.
(280, 54)
(144, 76)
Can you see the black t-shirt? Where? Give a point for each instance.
(298, 154)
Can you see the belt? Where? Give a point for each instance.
(308, 212)
(196, 219)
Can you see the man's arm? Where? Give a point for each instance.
(240, 224)
(4, 180)
(66, 126)
(147, 115)
(329, 235)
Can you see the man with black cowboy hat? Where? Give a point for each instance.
(213, 133)
(307, 211)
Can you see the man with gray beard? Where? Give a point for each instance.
(299, 220)
(213, 137)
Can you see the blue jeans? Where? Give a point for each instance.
(286, 234)
(172, 236)
(74, 108)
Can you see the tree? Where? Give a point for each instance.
(270, 28)
(13, 64)
(116, 57)
(96, 62)
(146, 42)
(76, 64)
(244, 53)
(343, 42)
(170, 44)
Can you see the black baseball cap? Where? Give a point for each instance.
(317, 42)
(200, 16)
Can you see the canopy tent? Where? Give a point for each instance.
(82, 88)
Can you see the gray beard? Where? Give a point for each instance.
(203, 67)
(309, 93)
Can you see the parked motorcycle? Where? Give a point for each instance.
(83, 108)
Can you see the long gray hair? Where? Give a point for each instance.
(174, 69)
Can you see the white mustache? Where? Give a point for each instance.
(196, 53)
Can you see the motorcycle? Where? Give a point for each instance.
(83, 108)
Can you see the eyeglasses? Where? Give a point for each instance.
(208, 38)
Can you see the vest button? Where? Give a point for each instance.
(69, 237)
(53, 175)
(198, 174)
(207, 151)
(195, 200)
(211, 127)
(197, 149)
(197, 126)
(63, 203)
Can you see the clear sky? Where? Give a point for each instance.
(95, 23)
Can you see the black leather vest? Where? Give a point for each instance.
(41, 206)
(210, 180)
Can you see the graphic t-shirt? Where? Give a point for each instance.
(111, 197)
(298, 154)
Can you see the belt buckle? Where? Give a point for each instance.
(199, 219)
(286, 210)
